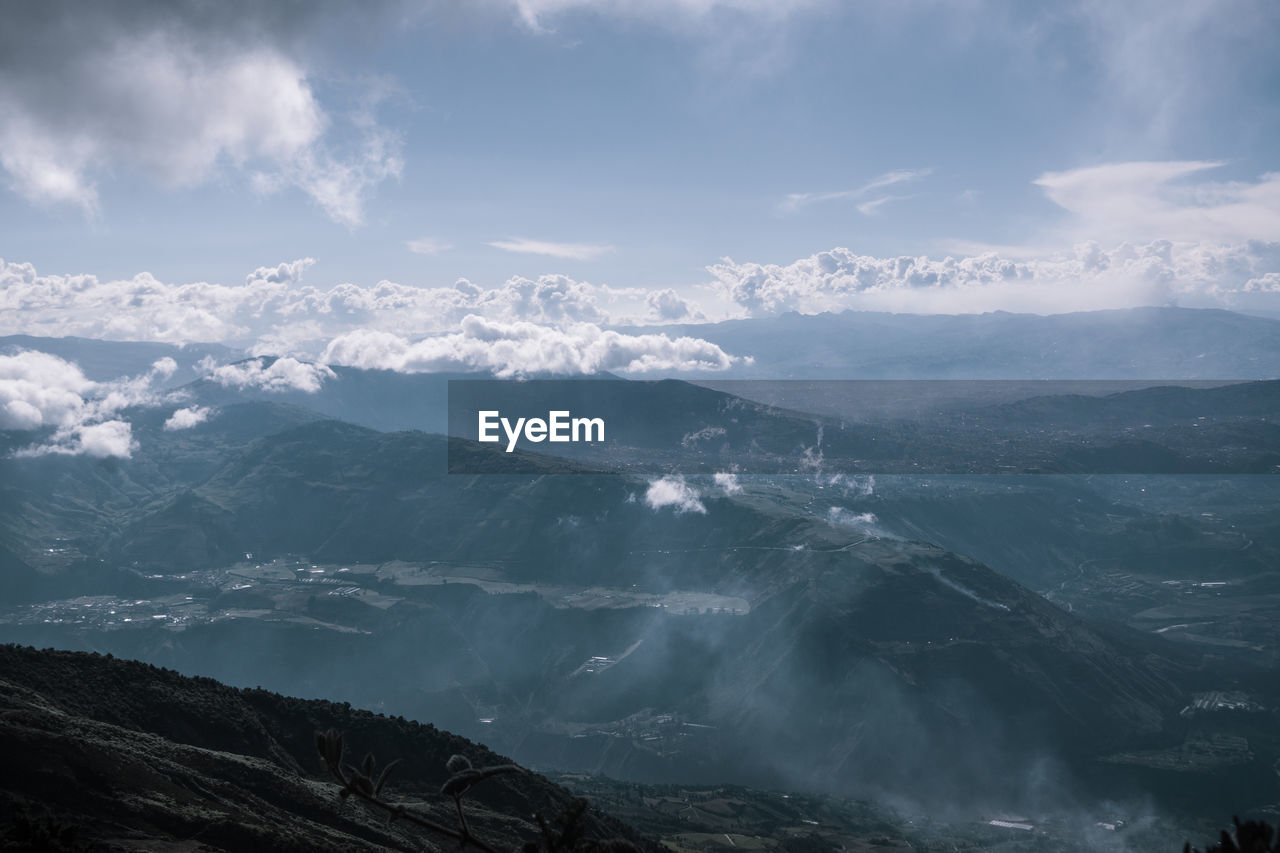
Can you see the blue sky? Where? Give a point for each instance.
(603, 155)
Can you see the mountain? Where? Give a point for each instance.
(675, 426)
(1133, 343)
(379, 399)
(578, 623)
(128, 756)
(102, 361)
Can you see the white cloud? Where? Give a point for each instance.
(188, 417)
(871, 208)
(1172, 237)
(1145, 201)
(1163, 63)
(182, 98)
(109, 438)
(840, 517)
(276, 375)
(286, 316)
(569, 251)
(521, 348)
(796, 201)
(673, 492)
(37, 390)
(287, 272)
(100, 441)
(41, 391)
(728, 482)
(428, 246)
(163, 368)
(1089, 278)
(667, 306)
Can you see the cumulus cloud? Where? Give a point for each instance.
(728, 482)
(100, 441)
(1139, 233)
(188, 417)
(273, 374)
(673, 492)
(569, 251)
(1089, 277)
(523, 348)
(196, 92)
(40, 391)
(37, 389)
(668, 306)
(276, 307)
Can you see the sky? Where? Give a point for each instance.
(384, 184)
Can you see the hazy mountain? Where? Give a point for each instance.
(813, 652)
(1134, 343)
(104, 360)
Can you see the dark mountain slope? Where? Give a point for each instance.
(142, 758)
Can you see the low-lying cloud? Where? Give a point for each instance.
(39, 391)
(525, 349)
(1089, 278)
(673, 492)
(187, 417)
(267, 374)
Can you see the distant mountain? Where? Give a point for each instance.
(104, 360)
(677, 426)
(123, 756)
(1134, 343)
(379, 399)
(802, 652)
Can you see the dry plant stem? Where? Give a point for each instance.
(464, 837)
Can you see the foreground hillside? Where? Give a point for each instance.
(119, 755)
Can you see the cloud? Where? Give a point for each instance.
(872, 208)
(274, 375)
(182, 97)
(838, 516)
(288, 273)
(728, 482)
(1089, 278)
(668, 306)
(522, 349)
(673, 492)
(1144, 201)
(569, 251)
(188, 417)
(428, 246)
(1162, 64)
(100, 441)
(40, 391)
(796, 201)
(1172, 237)
(284, 315)
(37, 390)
